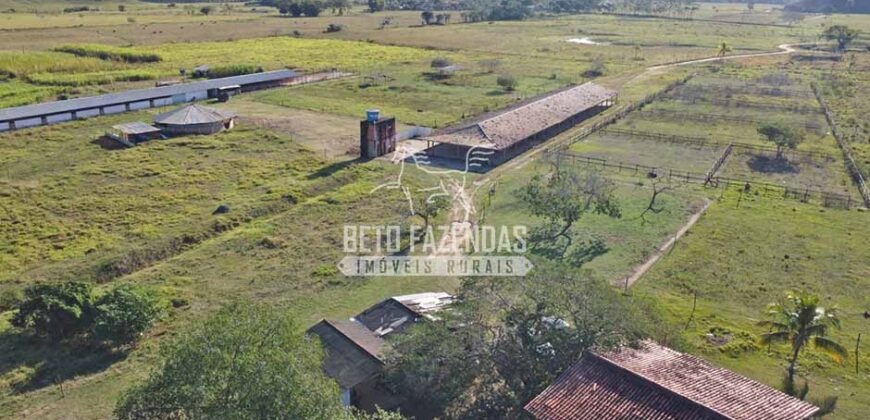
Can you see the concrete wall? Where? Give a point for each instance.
(140, 105)
(114, 109)
(58, 118)
(88, 113)
(4, 126)
(28, 123)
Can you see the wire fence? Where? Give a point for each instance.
(709, 179)
(747, 88)
(851, 166)
(708, 142)
(740, 103)
(682, 116)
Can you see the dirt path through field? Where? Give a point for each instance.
(640, 270)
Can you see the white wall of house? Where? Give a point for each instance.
(4, 126)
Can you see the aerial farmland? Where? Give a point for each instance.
(473, 209)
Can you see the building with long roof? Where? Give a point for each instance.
(654, 382)
(506, 133)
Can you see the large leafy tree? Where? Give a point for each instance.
(561, 198)
(844, 35)
(800, 320)
(247, 361)
(56, 310)
(782, 135)
(125, 312)
(510, 338)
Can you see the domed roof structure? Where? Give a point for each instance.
(194, 114)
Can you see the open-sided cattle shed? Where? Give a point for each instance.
(71, 109)
(509, 132)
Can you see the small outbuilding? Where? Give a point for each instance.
(131, 133)
(195, 119)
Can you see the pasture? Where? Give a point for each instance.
(73, 209)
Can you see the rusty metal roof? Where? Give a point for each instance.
(655, 382)
(521, 122)
(353, 353)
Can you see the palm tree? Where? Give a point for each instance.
(723, 50)
(799, 321)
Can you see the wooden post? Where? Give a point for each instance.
(857, 344)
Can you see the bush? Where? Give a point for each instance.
(333, 27)
(233, 70)
(105, 52)
(10, 299)
(56, 311)
(124, 313)
(440, 62)
(509, 83)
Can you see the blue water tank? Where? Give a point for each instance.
(373, 115)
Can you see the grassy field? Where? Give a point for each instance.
(72, 209)
(738, 259)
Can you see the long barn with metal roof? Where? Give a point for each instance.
(112, 103)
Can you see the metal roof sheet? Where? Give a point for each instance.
(655, 382)
(193, 114)
(136, 127)
(59, 107)
(352, 352)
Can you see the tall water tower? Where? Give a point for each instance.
(377, 136)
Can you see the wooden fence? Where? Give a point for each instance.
(672, 114)
(748, 104)
(708, 142)
(806, 195)
(851, 166)
(624, 110)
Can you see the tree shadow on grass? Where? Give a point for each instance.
(330, 169)
(35, 363)
(767, 165)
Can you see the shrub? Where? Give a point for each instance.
(233, 70)
(10, 299)
(124, 313)
(56, 311)
(333, 27)
(105, 52)
(311, 8)
(206, 10)
(440, 62)
(509, 83)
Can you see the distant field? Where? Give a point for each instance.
(738, 259)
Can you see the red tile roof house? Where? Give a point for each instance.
(355, 348)
(655, 382)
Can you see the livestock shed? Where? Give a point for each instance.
(356, 348)
(498, 137)
(131, 100)
(655, 382)
(195, 119)
(131, 133)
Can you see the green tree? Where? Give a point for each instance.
(800, 320)
(206, 10)
(507, 82)
(723, 49)
(246, 361)
(125, 312)
(56, 310)
(561, 198)
(508, 339)
(429, 207)
(844, 35)
(375, 5)
(311, 8)
(782, 135)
